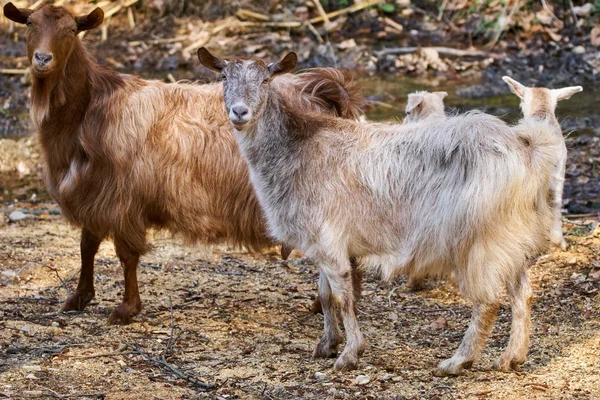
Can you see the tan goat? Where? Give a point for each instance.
(540, 104)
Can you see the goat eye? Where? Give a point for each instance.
(29, 23)
(266, 81)
(223, 78)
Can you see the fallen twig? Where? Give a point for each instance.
(442, 50)
(14, 71)
(159, 362)
(62, 282)
(242, 13)
(347, 10)
(162, 360)
(118, 352)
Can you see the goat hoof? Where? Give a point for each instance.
(508, 364)
(123, 313)
(78, 300)
(452, 367)
(346, 362)
(326, 348)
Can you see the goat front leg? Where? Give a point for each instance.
(357, 277)
(328, 345)
(132, 304)
(520, 295)
(339, 276)
(482, 321)
(84, 293)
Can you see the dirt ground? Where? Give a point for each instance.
(242, 322)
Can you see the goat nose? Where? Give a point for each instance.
(240, 111)
(42, 58)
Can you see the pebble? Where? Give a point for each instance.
(31, 376)
(320, 376)
(578, 50)
(55, 324)
(362, 380)
(32, 367)
(16, 216)
(387, 377)
(9, 273)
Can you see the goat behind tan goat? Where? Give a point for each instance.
(423, 104)
(540, 104)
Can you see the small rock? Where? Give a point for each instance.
(55, 324)
(121, 363)
(16, 216)
(32, 367)
(578, 50)
(320, 376)
(584, 10)
(572, 261)
(31, 376)
(387, 377)
(347, 44)
(33, 393)
(362, 380)
(9, 273)
(402, 3)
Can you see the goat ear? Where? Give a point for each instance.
(414, 101)
(18, 15)
(286, 64)
(566, 93)
(90, 21)
(515, 86)
(210, 61)
(442, 95)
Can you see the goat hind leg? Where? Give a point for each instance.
(482, 321)
(84, 293)
(520, 301)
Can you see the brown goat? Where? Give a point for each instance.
(124, 155)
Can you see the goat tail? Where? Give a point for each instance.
(334, 90)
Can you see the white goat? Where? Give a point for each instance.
(463, 195)
(540, 104)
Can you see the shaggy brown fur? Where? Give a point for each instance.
(124, 155)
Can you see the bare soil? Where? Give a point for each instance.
(242, 322)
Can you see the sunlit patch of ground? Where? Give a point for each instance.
(243, 323)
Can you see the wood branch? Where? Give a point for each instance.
(322, 12)
(347, 10)
(314, 31)
(390, 22)
(449, 51)
(130, 18)
(284, 24)
(9, 71)
(243, 14)
(120, 351)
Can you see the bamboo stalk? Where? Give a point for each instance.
(347, 10)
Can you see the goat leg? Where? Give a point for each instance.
(520, 295)
(85, 288)
(132, 303)
(482, 321)
(328, 344)
(316, 307)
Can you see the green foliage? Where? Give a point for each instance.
(343, 3)
(387, 8)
